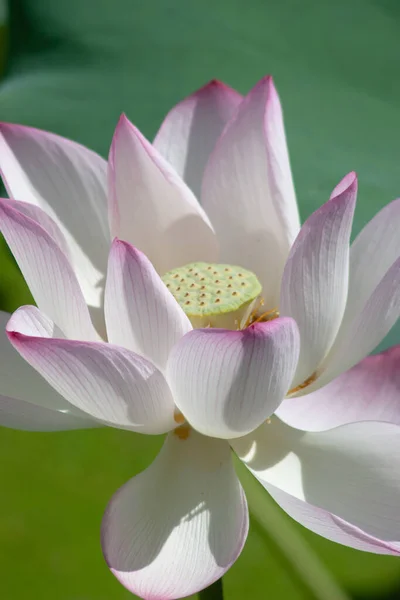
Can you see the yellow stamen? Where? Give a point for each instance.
(179, 418)
(303, 385)
(182, 432)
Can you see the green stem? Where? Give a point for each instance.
(214, 592)
(305, 566)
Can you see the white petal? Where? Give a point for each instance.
(112, 384)
(26, 400)
(69, 183)
(151, 207)
(190, 130)
(366, 330)
(178, 526)
(28, 416)
(315, 279)
(141, 314)
(372, 254)
(370, 391)
(248, 190)
(226, 383)
(345, 478)
(47, 272)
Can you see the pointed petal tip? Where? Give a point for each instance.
(214, 85)
(120, 244)
(349, 184)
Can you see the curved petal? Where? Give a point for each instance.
(367, 329)
(315, 279)
(226, 383)
(47, 223)
(370, 391)
(47, 272)
(141, 314)
(112, 384)
(28, 416)
(178, 526)
(27, 401)
(343, 483)
(189, 132)
(68, 182)
(248, 190)
(151, 207)
(373, 252)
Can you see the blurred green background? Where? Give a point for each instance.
(72, 66)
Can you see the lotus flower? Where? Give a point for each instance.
(208, 315)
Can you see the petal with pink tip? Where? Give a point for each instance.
(315, 279)
(177, 527)
(112, 384)
(37, 214)
(141, 314)
(343, 484)
(370, 391)
(248, 190)
(68, 182)
(189, 132)
(27, 402)
(151, 207)
(226, 383)
(47, 272)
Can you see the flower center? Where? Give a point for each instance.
(214, 295)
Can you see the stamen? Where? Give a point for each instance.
(303, 385)
(178, 417)
(269, 315)
(182, 432)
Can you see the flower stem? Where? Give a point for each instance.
(214, 592)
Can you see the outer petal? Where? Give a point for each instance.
(141, 314)
(343, 483)
(28, 416)
(178, 526)
(370, 391)
(112, 384)
(68, 182)
(26, 400)
(152, 207)
(315, 280)
(248, 190)
(227, 383)
(372, 253)
(47, 272)
(190, 130)
(366, 330)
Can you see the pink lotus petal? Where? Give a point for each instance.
(141, 314)
(343, 484)
(370, 391)
(177, 527)
(151, 207)
(315, 279)
(112, 384)
(27, 402)
(47, 271)
(68, 182)
(330, 526)
(248, 190)
(189, 132)
(226, 383)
